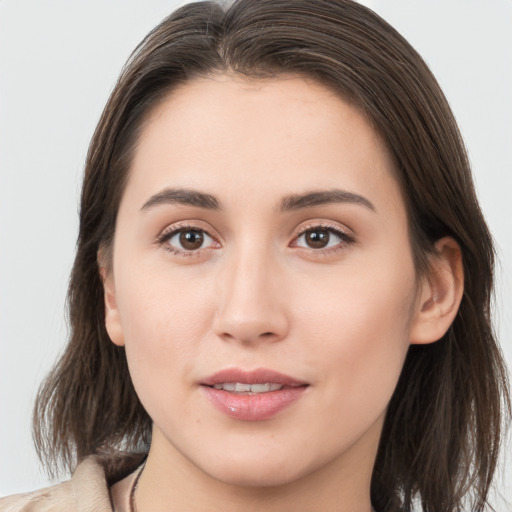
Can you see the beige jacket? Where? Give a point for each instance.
(86, 491)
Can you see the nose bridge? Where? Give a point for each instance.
(250, 304)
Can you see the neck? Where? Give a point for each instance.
(342, 485)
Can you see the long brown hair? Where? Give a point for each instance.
(441, 436)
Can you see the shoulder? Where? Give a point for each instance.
(56, 498)
(86, 491)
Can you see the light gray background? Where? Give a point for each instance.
(58, 63)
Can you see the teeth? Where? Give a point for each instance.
(239, 387)
(260, 388)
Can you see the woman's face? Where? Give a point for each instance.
(262, 239)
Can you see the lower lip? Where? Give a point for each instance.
(257, 407)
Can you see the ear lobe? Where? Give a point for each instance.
(112, 317)
(440, 295)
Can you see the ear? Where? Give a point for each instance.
(112, 317)
(440, 293)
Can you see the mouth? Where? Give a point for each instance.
(249, 389)
(256, 395)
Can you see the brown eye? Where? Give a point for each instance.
(191, 239)
(187, 240)
(317, 238)
(320, 237)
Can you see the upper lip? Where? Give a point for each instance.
(258, 376)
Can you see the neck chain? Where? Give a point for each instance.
(132, 491)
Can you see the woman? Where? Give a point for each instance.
(282, 279)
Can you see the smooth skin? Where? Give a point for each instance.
(253, 276)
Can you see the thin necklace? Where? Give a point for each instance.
(133, 489)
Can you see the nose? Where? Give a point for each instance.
(251, 300)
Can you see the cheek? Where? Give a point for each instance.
(164, 322)
(359, 333)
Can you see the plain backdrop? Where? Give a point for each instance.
(58, 62)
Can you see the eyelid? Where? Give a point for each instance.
(192, 224)
(323, 224)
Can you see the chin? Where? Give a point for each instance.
(263, 476)
(261, 469)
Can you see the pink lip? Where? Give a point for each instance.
(255, 407)
(258, 376)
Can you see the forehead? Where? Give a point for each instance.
(231, 135)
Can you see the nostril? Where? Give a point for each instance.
(250, 324)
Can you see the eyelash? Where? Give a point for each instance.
(168, 234)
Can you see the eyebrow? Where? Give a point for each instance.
(182, 196)
(317, 198)
(288, 203)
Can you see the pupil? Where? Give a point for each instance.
(318, 238)
(191, 239)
